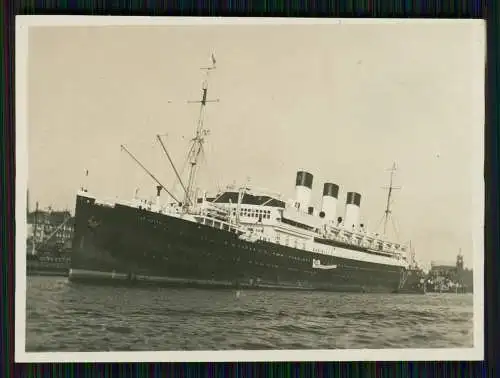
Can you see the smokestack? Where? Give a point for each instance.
(352, 206)
(158, 192)
(329, 201)
(303, 188)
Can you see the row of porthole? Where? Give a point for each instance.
(269, 265)
(266, 252)
(244, 246)
(273, 253)
(237, 259)
(290, 257)
(149, 220)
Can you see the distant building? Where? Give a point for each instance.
(442, 269)
(442, 273)
(54, 228)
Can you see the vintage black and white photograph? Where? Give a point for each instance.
(249, 189)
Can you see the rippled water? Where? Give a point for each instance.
(67, 317)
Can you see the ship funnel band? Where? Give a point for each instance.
(304, 179)
(330, 190)
(353, 198)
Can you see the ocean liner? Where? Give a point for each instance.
(243, 237)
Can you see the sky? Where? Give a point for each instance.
(343, 101)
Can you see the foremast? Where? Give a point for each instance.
(388, 212)
(390, 189)
(199, 138)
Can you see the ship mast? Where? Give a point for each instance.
(390, 188)
(199, 138)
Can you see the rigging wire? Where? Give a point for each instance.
(379, 223)
(148, 172)
(208, 167)
(173, 166)
(176, 182)
(396, 232)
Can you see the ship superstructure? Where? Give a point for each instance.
(243, 236)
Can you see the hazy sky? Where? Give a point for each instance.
(342, 101)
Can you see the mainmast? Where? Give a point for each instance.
(390, 188)
(199, 138)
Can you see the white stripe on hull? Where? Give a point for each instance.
(351, 254)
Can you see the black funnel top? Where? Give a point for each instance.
(304, 179)
(353, 198)
(331, 190)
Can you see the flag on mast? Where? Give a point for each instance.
(213, 58)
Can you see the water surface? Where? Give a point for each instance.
(69, 317)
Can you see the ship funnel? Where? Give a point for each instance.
(352, 205)
(329, 201)
(303, 188)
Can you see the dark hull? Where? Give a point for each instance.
(124, 245)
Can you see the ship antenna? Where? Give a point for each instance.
(201, 133)
(390, 188)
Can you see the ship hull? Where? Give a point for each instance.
(123, 245)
